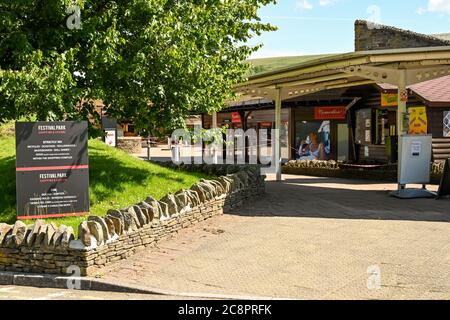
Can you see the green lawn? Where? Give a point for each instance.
(117, 180)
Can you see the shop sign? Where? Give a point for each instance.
(389, 100)
(235, 117)
(52, 171)
(404, 96)
(330, 113)
(418, 122)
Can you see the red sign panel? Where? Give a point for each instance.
(330, 113)
(235, 117)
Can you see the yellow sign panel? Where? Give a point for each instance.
(418, 121)
(389, 99)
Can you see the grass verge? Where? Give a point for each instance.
(117, 180)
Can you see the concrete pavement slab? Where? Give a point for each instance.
(309, 238)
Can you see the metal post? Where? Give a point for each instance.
(149, 156)
(214, 126)
(277, 146)
(401, 112)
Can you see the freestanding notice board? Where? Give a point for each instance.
(52, 169)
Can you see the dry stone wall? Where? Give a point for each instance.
(46, 248)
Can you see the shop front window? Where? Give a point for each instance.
(382, 127)
(447, 124)
(363, 134)
(313, 140)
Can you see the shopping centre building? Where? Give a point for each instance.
(346, 106)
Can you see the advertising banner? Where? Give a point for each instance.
(418, 121)
(111, 138)
(313, 140)
(52, 170)
(389, 100)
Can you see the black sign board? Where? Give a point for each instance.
(52, 170)
(109, 123)
(444, 189)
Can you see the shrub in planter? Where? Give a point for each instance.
(313, 164)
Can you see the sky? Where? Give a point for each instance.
(327, 26)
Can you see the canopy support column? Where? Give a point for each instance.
(401, 113)
(277, 145)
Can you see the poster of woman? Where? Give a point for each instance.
(313, 141)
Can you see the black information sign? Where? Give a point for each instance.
(52, 170)
(444, 189)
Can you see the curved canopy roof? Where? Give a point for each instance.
(348, 70)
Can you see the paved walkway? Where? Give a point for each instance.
(308, 238)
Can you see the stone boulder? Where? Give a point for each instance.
(17, 235)
(208, 190)
(164, 213)
(116, 214)
(147, 211)
(182, 199)
(41, 236)
(84, 234)
(157, 210)
(110, 226)
(118, 224)
(57, 237)
(130, 221)
(194, 198)
(67, 237)
(171, 202)
(226, 184)
(97, 231)
(141, 218)
(218, 186)
(49, 233)
(5, 230)
(103, 225)
(32, 235)
(200, 192)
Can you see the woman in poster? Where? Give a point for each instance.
(312, 150)
(317, 145)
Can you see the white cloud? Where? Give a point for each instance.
(325, 3)
(421, 10)
(304, 5)
(441, 6)
(436, 6)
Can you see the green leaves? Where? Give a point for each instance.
(150, 61)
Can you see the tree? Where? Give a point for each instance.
(150, 61)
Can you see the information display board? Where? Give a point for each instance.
(52, 170)
(415, 159)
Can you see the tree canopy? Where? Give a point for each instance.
(149, 61)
